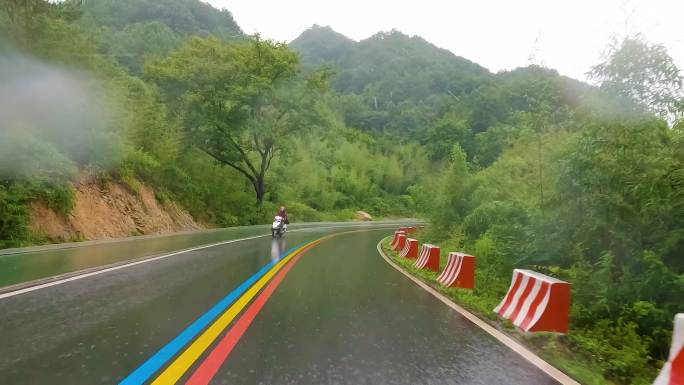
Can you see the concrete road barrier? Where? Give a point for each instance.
(429, 258)
(408, 230)
(459, 271)
(410, 249)
(400, 242)
(536, 302)
(672, 372)
(395, 239)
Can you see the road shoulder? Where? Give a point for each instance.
(521, 350)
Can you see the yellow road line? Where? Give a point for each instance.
(183, 362)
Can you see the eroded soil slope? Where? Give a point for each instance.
(110, 210)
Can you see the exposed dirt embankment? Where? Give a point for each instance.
(110, 210)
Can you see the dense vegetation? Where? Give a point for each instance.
(524, 168)
(534, 170)
(586, 185)
(216, 133)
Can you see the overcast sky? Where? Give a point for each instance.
(569, 36)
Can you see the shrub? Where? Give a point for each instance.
(302, 213)
(618, 349)
(14, 217)
(59, 198)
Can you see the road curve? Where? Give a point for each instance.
(25, 266)
(335, 314)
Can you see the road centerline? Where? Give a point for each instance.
(185, 360)
(212, 363)
(145, 371)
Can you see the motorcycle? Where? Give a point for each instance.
(279, 227)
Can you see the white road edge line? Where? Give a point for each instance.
(107, 270)
(534, 359)
(152, 259)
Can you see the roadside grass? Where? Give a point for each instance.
(552, 347)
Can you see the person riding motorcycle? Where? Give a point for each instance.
(280, 223)
(283, 214)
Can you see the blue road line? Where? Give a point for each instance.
(143, 373)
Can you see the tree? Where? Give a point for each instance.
(135, 42)
(622, 185)
(643, 73)
(25, 18)
(451, 129)
(240, 101)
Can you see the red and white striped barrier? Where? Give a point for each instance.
(429, 258)
(536, 302)
(399, 242)
(408, 230)
(410, 249)
(672, 372)
(459, 271)
(396, 236)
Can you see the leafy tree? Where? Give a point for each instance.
(448, 131)
(32, 24)
(14, 217)
(645, 74)
(135, 42)
(237, 100)
(623, 185)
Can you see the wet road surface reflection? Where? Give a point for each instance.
(341, 316)
(278, 246)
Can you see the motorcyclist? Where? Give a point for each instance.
(280, 223)
(283, 214)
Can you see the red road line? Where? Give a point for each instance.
(210, 366)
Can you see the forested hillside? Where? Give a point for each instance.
(148, 123)
(544, 172)
(522, 168)
(390, 82)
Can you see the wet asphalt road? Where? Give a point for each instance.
(341, 316)
(32, 263)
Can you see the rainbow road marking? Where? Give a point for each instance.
(182, 363)
(212, 363)
(145, 371)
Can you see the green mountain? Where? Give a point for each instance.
(322, 45)
(134, 30)
(405, 85)
(181, 16)
(392, 65)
